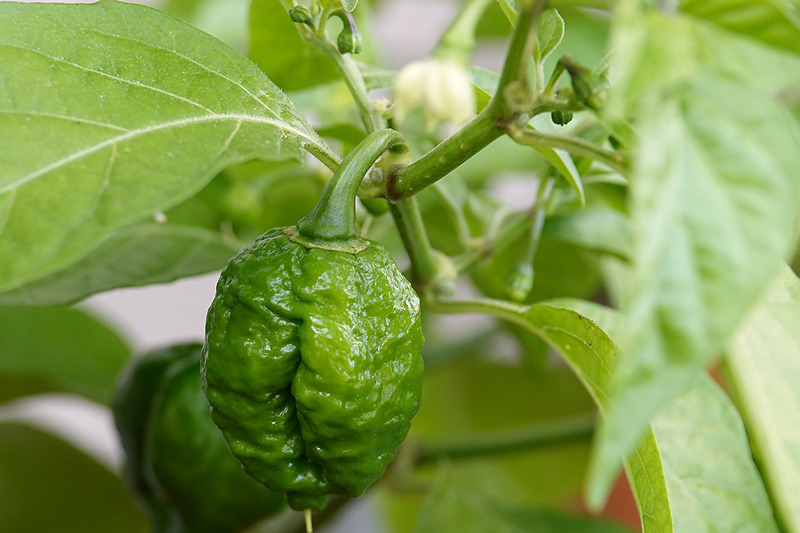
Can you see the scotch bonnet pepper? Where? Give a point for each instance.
(312, 358)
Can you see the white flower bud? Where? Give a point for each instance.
(441, 87)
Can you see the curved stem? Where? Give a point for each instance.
(354, 80)
(445, 157)
(334, 217)
(542, 435)
(484, 128)
(537, 139)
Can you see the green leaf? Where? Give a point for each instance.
(773, 22)
(713, 202)
(549, 34)
(56, 349)
(592, 355)
(48, 486)
(762, 363)
(279, 50)
(114, 111)
(712, 482)
(454, 505)
(138, 255)
(562, 162)
(699, 447)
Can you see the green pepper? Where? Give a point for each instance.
(312, 357)
(177, 462)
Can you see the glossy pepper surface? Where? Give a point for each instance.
(312, 365)
(184, 473)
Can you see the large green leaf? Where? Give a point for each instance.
(138, 255)
(701, 450)
(57, 349)
(713, 202)
(763, 363)
(712, 482)
(693, 470)
(592, 355)
(47, 486)
(110, 112)
(279, 50)
(773, 22)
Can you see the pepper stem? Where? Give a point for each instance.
(333, 223)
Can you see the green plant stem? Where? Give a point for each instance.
(538, 213)
(334, 216)
(515, 67)
(542, 435)
(478, 133)
(538, 139)
(510, 311)
(486, 250)
(354, 80)
(558, 70)
(458, 41)
(408, 220)
(445, 157)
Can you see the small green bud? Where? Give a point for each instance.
(562, 118)
(590, 88)
(349, 41)
(301, 15)
(520, 281)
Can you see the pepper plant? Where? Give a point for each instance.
(646, 247)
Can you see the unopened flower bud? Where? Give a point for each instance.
(441, 87)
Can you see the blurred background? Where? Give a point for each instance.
(162, 315)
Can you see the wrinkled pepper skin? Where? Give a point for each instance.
(312, 365)
(182, 463)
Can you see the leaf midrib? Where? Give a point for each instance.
(132, 134)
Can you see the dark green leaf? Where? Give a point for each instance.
(138, 255)
(57, 349)
(47, 486)
(713, 202)
(762, 363)
(279, 50)
(111, 112)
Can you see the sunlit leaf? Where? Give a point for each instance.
(713, 201)
(111, 112)
(763, 363)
